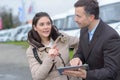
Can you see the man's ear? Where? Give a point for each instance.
(92, 17)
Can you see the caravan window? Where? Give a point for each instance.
(110, 13)
(70, 23)
(59, 23)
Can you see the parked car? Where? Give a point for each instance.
(23, 35)
(19, 32)
(5, 35)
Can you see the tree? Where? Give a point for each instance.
(9, 21)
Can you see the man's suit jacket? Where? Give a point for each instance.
(102, 54)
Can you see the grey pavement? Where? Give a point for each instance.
(13, 63)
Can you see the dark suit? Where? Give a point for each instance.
(102, 54)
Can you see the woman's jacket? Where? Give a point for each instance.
(48, 69)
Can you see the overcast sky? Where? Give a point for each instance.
(51, 6)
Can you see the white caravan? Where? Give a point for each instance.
(109, 13)
(59, 20)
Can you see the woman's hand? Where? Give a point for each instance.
(53, 52)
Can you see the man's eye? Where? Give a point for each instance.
(78, 16)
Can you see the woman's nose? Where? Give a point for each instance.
(46, 26)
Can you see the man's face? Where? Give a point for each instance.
(81, 18)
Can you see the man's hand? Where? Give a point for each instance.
(76, 73)
(79, 73)
(75, 62)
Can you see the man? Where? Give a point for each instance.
(99, 45)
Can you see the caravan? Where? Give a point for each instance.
(59, 20)
(65, 23)
(109, 13)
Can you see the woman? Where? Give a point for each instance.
(48, 49)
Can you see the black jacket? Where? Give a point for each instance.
(102, 54)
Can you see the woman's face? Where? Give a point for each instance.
(43, 27)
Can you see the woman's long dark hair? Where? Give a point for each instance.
(33, 36)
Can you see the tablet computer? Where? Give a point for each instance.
(61, 69)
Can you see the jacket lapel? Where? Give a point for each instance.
(92, 43)
(86, 44)
(84, 41)
(95, 38)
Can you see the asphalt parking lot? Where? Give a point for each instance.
(13, 63)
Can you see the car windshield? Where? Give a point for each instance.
(110, 13)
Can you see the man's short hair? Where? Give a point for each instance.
(90, 6)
